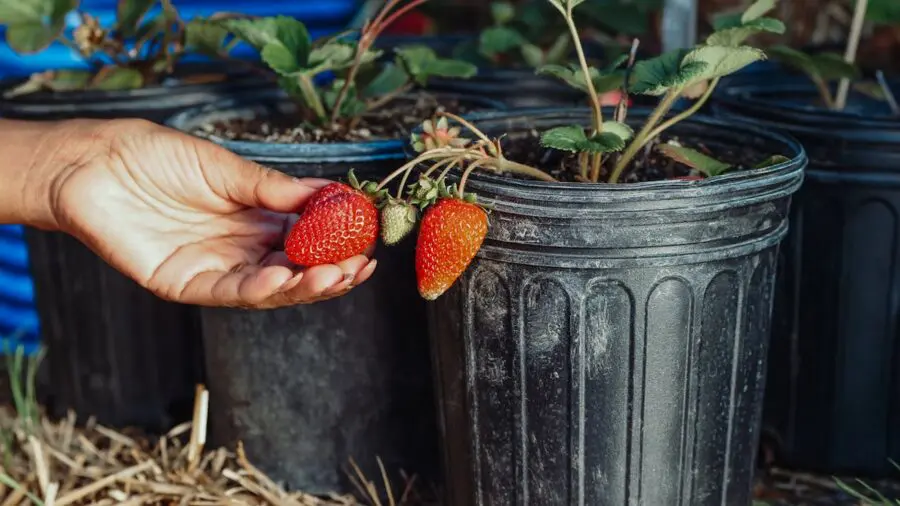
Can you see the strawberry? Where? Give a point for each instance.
(398, 219)
(336, 223)
(450, 235)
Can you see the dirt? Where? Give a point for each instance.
(395, 120)
(524, 147)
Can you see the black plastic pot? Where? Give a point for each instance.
(115, 351)
(308, 387)
(607, 345)
(833, 393)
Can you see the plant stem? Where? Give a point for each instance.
(684, 114)
(428, 155)
(403, 183)
(518, 168)
(387, 97)
(859, 17)
(824, 91)
(465, 177)
(596, 162)
(639, 140)
(311, 96)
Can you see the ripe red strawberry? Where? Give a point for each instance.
(337, 223)
(450, 234)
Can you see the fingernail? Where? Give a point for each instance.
(348, 276)
(343, 285)
(290, 284)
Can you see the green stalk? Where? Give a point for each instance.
(311, 96)
(640, 139)
(684, 114)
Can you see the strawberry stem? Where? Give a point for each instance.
(472, 128)
(465, 177)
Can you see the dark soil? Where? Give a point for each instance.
(393, 121)
(524, 147)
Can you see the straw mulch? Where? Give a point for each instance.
(47, 463)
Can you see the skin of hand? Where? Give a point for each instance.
(185, 218)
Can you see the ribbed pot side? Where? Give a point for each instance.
(607, 346)
(831, 404)
(308, 387)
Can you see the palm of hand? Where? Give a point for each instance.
(194, 223)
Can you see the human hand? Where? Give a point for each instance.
(187, 219)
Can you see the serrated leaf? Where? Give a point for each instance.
(293, 34)
(204, 37)
(279, 58)
(502, 12)
(656, 76)
(117, 78)
(772, 160)
(564, 138)
(721, 60)
(757, 9)
(833, 66)
(336, 56)
(694, 159)
(604, 142)
(498, 40)
(620, 129)
(260, 32)
(736, 36)
(129, 14)
(44, 12)
(391, 78)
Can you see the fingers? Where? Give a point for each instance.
(253, 185)
(274, 285)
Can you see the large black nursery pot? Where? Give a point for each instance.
(833, 395)
(607, 346)
(308, 387)
(115, 351)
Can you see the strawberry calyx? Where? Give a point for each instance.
(369, 188)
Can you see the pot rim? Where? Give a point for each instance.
(307, 152)
(730, 183)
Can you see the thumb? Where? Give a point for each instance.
(253, 185)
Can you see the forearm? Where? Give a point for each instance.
(32, 157)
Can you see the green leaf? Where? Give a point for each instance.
(498, 40)
(574, 77)
(793, 58)
(293, 34)
(772, 160)
(604, 142)
(737, 35)
(559, 49)
(833, 66)
(883, 12)
(574, 139)
(757, 9)
(260, 32)
(622, 130)
(279, 58)
(502, 12)
(656, 76)
(335, 56)
(391, 78)
(565, 138)
(421, 62)
(694, 159)
(13, 12)
(721, 60)
(118, 78)
(532, 55)
(54, 80)
(129, 14)
(351, 105)
(29, 38)
(204, 37)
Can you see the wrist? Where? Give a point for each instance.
(43, 154)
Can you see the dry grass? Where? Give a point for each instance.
(56, 463)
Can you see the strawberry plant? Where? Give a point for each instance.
(338, 79)
(821, 68)
(453, 224)
(136, 51)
